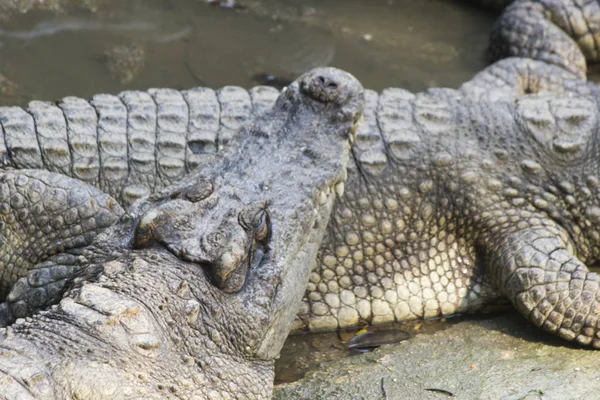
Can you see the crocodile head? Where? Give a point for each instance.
(251, 222)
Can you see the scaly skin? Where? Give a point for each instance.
(128, 146)
(374, 278)
(199, 283)
(45, 213)
(132, 144)
(394, 251)
(136, 143)
(562, 32)
(456, 202)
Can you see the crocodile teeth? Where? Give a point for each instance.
(356, 125)
(322, 198)
(339, 189)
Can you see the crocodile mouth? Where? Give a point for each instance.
(230, 270)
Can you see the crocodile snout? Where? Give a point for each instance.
(329, 85)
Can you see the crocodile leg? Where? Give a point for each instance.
(514, 77)
(43, 285)
(560, 32)
(43, 216)
(548, 283)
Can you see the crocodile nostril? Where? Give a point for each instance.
(327, 83)
(322, 87)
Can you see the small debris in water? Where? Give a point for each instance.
(367, 37)
(7, 87)
(320, 345)
(300, 354)
(271, 80)
(181, 34)
(346, 334)
(124, 62)
(370, 340)
(308, 11)
(227, 4)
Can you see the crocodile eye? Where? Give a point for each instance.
(263, 229)
(255, 221)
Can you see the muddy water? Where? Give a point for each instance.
(305, 352)
(183, 43)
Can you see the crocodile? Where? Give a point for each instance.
(455, 198)
(190, 292)
(459, 199)
(429, 227)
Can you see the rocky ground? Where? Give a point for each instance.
(499, 357)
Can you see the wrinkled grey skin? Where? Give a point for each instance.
(204, 318)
